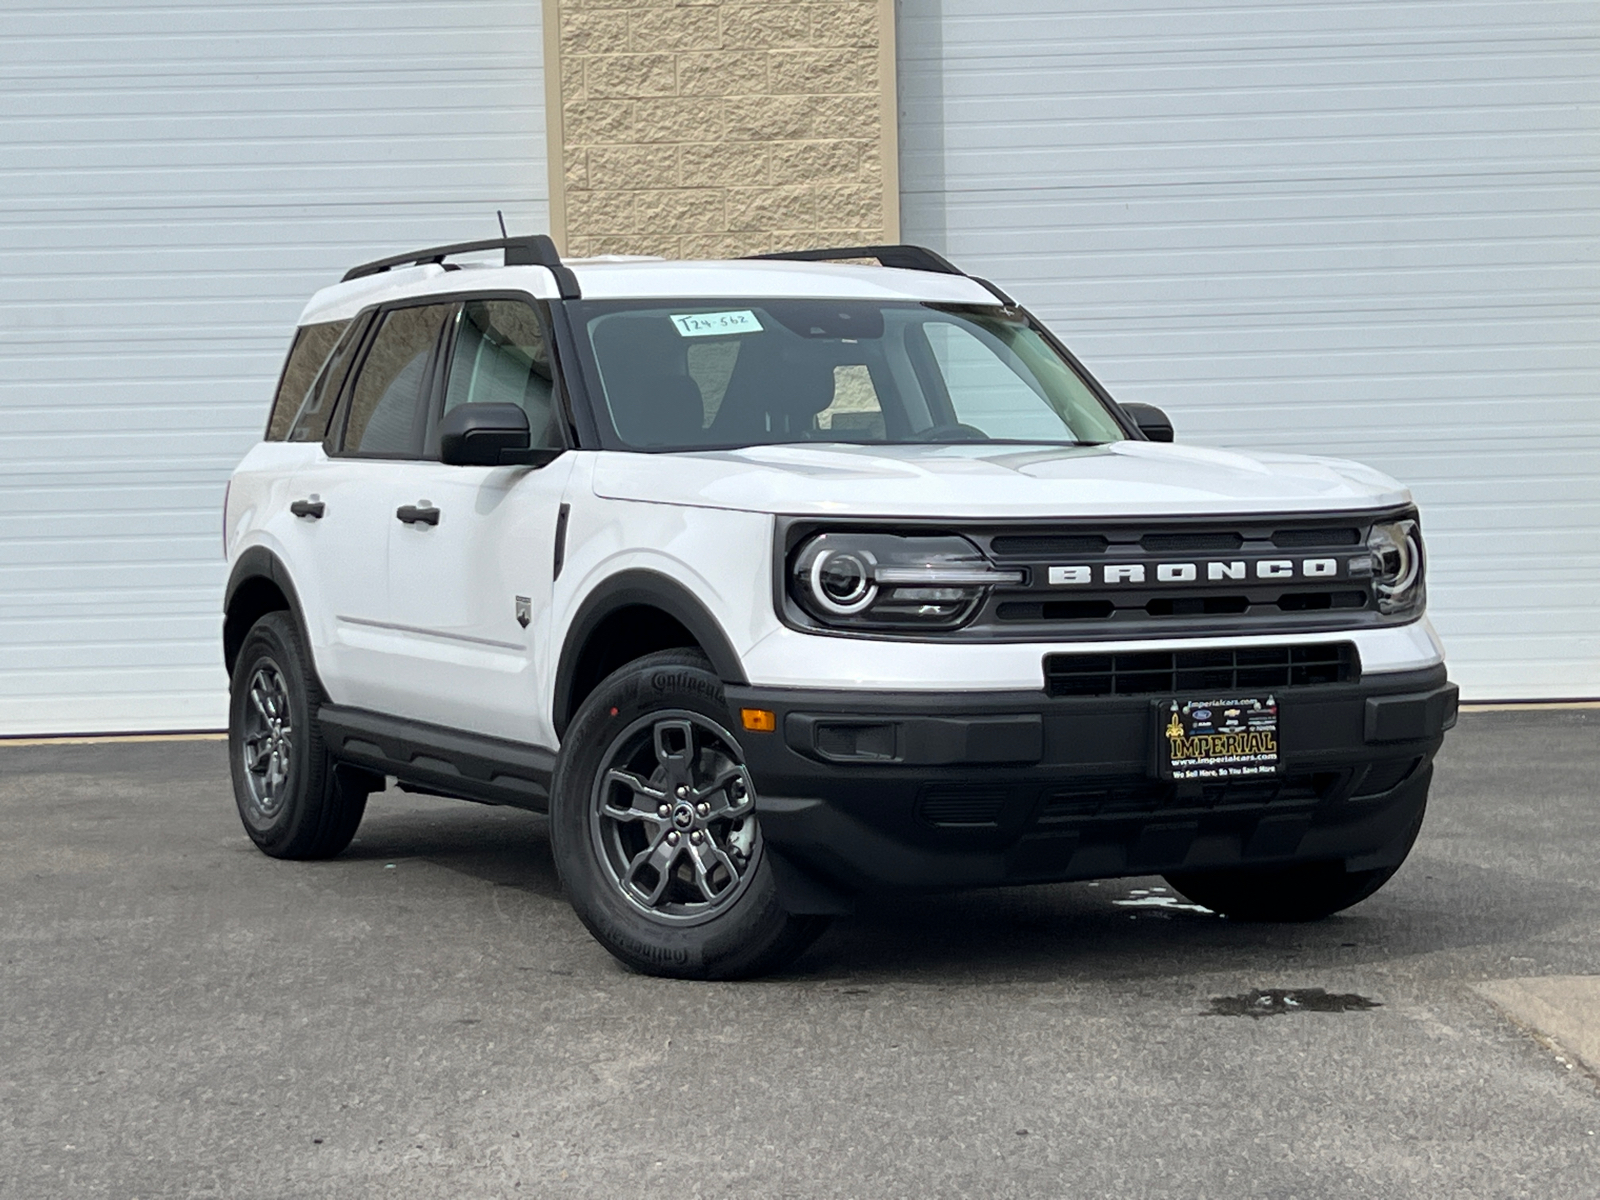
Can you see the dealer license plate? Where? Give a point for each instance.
(1229, 737)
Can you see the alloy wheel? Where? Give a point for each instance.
(673, 817)
(267, 745)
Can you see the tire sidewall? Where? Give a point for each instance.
(272, 639)
(722, 946)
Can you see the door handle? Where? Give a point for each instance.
(418, 514)
(308, 508)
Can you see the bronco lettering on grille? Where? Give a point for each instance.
(1188, 572)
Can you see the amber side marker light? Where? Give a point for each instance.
(759, 720)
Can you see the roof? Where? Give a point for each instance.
(621, 278)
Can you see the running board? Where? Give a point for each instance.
(446, 762)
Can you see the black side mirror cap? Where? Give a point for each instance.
(1152, 422)
(488, 435)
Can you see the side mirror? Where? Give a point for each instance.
(1152, 422)
(483, 435)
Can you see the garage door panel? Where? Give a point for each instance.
(175, 181)
(83, 556)
(85, 645)
(107, 683)
(133, 599)
(1365, 230)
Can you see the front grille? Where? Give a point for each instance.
(1175, 543)
(1300, 538)
(1169, 672)
(1143, 798)
(1046, 545)
(1179, 606)
(1144, 579)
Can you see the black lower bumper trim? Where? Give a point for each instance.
(1021, 787)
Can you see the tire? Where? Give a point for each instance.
(1308, 892)
(294, 801)
(653, 828)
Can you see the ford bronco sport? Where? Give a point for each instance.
(782, 580)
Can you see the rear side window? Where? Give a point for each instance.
(311, 422)
(312, 345)
(386, 401)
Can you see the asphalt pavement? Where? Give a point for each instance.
(424, 1016)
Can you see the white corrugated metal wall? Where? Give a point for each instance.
(178, 177)
(1368, 229)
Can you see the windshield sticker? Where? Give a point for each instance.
(717, 324)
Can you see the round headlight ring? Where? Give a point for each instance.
(1398, 585)
(841, 581)
(1410, 563)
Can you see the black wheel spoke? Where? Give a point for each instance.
(257, 750)
(660, 858)
(674, 745)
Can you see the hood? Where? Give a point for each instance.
(972, 480)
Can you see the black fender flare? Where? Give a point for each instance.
(258, 562)
(640, 587)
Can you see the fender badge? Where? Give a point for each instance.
(524, 611)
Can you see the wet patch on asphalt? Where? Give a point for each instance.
(1159, 898)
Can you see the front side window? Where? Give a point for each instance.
(501, 357)
(386, 401)
(729, 373)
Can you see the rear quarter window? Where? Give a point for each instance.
(310, 349)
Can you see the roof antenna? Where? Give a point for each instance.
(502, 217)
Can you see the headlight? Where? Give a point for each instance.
(884, 580)
(1397, 566)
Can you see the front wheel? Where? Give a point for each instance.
(654, 829)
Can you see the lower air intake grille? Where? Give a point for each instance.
(961, 805)
(1119, 799)
(1162, 672)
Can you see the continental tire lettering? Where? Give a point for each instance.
(686, 681)
(679, 955)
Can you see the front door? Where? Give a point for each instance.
(469, 588)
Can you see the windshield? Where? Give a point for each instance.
(730, 373)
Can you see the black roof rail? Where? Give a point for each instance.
(533, 250)
(907, 258)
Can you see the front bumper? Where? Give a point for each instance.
(869, 790)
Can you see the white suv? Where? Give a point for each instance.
(781, 580)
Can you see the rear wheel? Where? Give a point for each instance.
(294, 801)
(655, 834)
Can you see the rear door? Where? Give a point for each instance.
(469, 595)
(366, 479)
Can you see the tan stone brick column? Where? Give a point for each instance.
(714, 128)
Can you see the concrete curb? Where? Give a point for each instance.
(1565, 1009)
